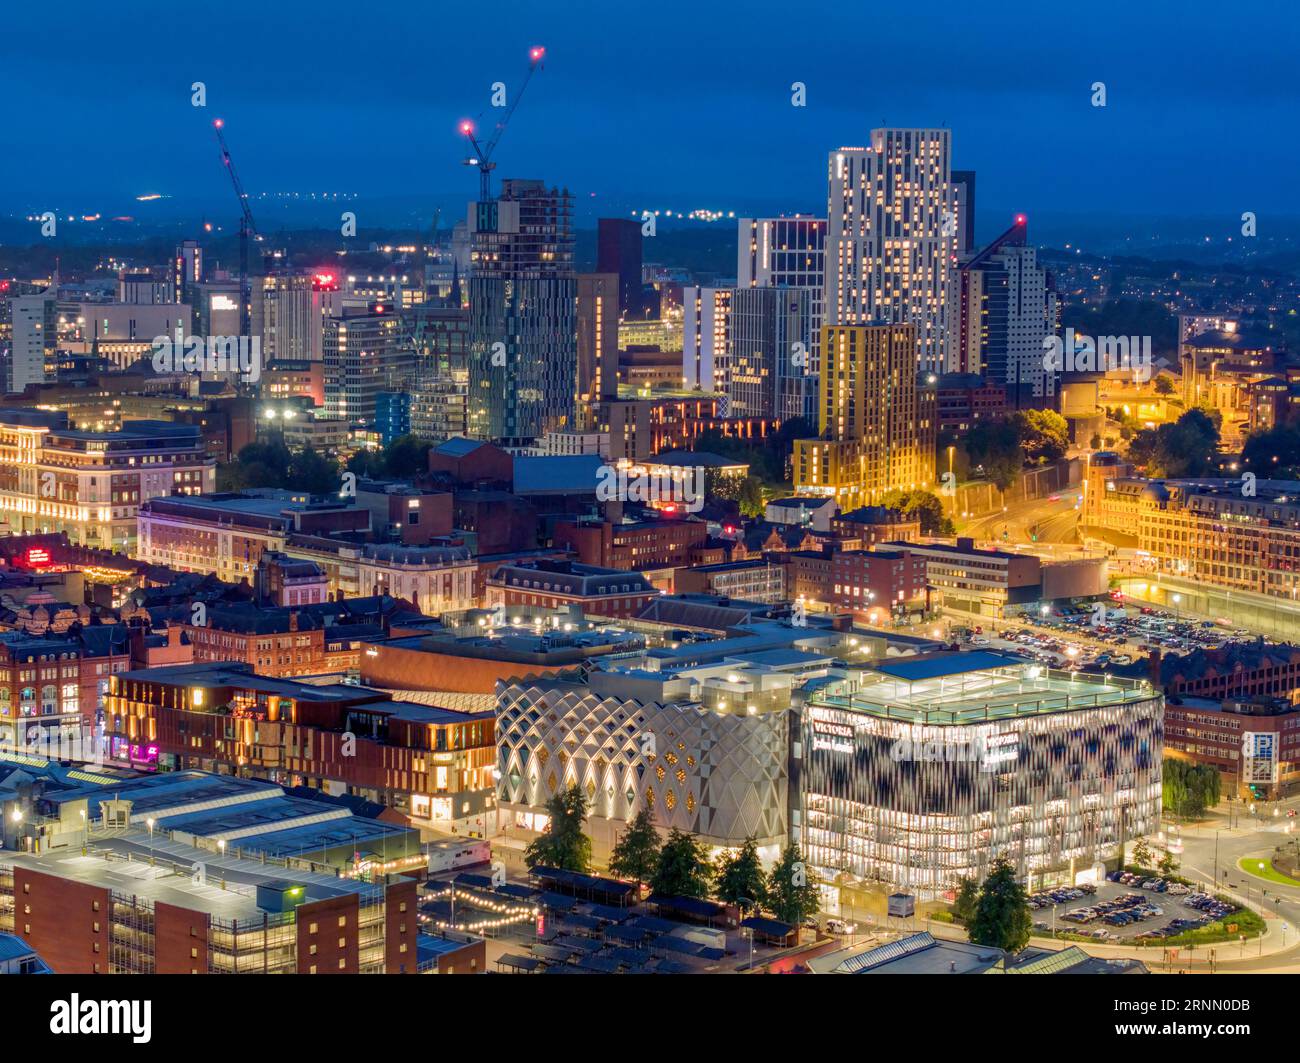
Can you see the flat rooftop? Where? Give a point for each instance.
(966, 693)
(122, 863)
(213, 674)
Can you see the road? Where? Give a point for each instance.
(1052, 521)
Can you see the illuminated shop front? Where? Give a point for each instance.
(924, 770)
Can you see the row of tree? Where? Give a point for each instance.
(1001, 447)
(271, 463)
(678, 865)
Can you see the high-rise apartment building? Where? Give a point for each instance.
(363, 356)
(876, 414)
(441, 338)
(597, 381)
(891, 238)
(963, 198)
(618, 251)
(789, 253)
(523, 302)
(187, 271)
(33, 339)
(1007, 306)
(706, 333)
(770, 354)
(283, 318)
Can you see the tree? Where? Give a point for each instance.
(925, 506)
(407, 456)
(402, 458)
(683, 869)
(637, 853)
(1189, 789)
(750, 497)
(767, 458)
(313, 473)
(791, 893)
(1168, 864)
(1274, 454)
(264, 464)
(272, 464)
(1141, 853)
(1164, 384)
(1095, 442)
(1002, 912)
(1187, 447)
(994, 446)
(1044, 434)
(740, 878)
(968, 895)
(367, 463)
(563, 845)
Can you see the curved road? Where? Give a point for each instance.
(1052, 522)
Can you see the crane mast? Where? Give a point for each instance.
(482, 159)
(247, 232)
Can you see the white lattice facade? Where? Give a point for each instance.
(722, 776)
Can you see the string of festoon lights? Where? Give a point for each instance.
(512, 914)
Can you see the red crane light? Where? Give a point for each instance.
(467, 128)
(219, 122)
(537, 53)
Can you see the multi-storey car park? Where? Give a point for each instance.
(918, 771)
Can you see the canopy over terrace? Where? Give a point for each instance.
(967, 688)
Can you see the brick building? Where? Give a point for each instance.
(290, 911)
(637, 545)
(58, 683)
(547, 584)
(425, 762)
(1254, 743)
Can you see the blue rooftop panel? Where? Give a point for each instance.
(914, 669)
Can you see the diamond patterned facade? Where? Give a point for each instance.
(722, 776)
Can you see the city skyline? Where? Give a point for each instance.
(816, 492)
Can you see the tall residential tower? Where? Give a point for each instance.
(523, 300)
(892, 237)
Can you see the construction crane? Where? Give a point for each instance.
(247, 232)
(482, 158)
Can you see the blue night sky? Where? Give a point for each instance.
(679, 105)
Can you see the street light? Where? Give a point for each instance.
(149, 823)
